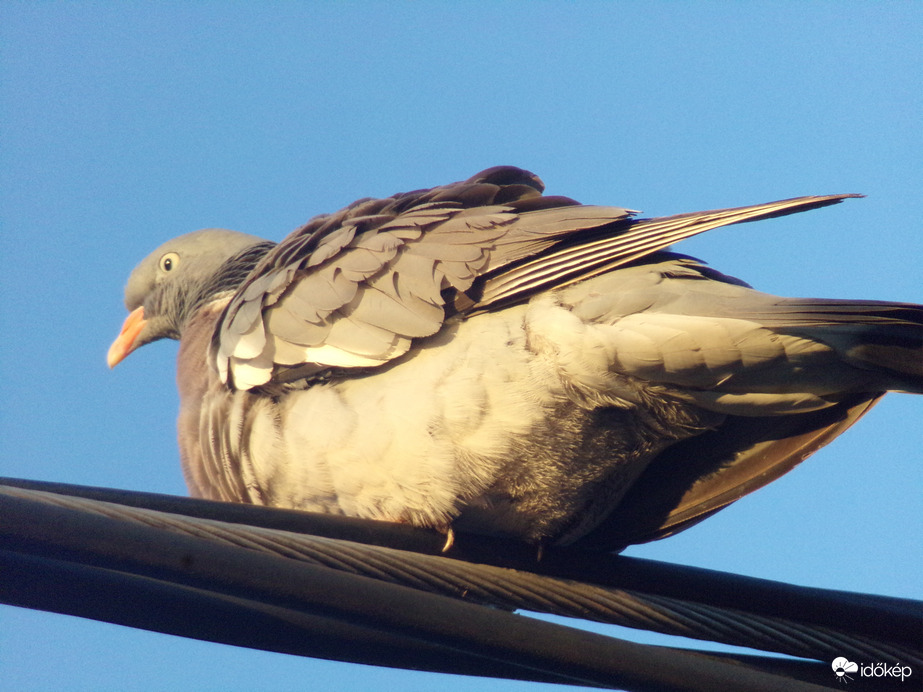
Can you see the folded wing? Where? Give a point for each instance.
(353, 289)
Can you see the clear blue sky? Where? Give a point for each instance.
(126, 124)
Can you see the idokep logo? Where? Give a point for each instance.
(842, 667)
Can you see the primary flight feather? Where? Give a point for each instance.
(484, 357)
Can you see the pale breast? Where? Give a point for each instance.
(487, 423)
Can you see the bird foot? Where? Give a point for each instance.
(449, 540)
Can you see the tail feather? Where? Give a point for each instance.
(871, 335)
(903, 363)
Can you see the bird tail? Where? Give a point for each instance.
(883, 337)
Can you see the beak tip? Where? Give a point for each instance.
(115, 355)
(125, 343)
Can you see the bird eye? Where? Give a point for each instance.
(169, 262)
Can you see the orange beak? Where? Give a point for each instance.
(124, 344)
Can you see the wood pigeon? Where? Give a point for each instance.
(478, 356)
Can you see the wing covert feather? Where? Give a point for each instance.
(354, 288)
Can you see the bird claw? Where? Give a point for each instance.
(449, 540)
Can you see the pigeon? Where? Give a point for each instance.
(482, 357)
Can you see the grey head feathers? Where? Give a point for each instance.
(186, 272)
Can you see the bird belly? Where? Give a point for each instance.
(490, 425)
(417, 440)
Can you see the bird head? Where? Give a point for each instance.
(178, 277)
